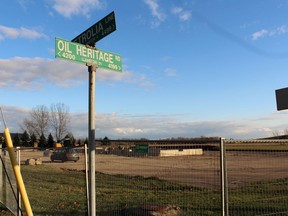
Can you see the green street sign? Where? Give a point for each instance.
(99, 30)
(141, 148)
(82, 54)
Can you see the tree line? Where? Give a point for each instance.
(45, 126)
(25, 140)
(43, 121)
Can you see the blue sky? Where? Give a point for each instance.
(190, 68)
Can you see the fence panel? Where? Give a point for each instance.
(53, 188)
(167, 179)
(8, 186)
(258, 179)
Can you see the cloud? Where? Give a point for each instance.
(15, 33)
(237, 40)
(157, 126)
(266, 33)
(170, 72)
(279, 30)
(167, 58)
(68, 8)
(154, 7)
(125, 77)
(23, 3)
(259, 34)
(13, 115)
(182, 14)
(33, 73)
(128, 131)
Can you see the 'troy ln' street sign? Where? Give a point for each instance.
(82, 54)
(97, 31)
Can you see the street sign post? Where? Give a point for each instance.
(97, 31)
(82, 54)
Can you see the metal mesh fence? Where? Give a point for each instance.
(258, 178)
(54, 188)
(171, 180)
(8, 186)
(164, 179)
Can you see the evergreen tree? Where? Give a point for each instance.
(67, 141)
(105, 141)
(42, 141)
(73, 140)
(25, 139)
(50, 142)
(16, 140)
(2, 141)
(33, 140)
(86, 141)
(79, 142)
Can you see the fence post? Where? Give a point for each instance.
(87, 178)
(223, 176)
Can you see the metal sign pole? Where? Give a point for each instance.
(223, 176)
(92, 144)
(84, 52)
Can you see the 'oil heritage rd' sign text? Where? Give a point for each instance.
(82, 54)
(98, 31)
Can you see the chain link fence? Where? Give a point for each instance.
(219, 177)
(181, 179)
(248, 178)
(257, 178)
(8, 186)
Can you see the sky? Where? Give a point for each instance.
(191, 68)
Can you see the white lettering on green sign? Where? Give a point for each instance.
(95, 54)
(82, 54)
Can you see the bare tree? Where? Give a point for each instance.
(38, 121)
(276, 133)
(28, 125)
(59, 120)
(41, 119)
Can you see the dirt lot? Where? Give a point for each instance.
(243, 167)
